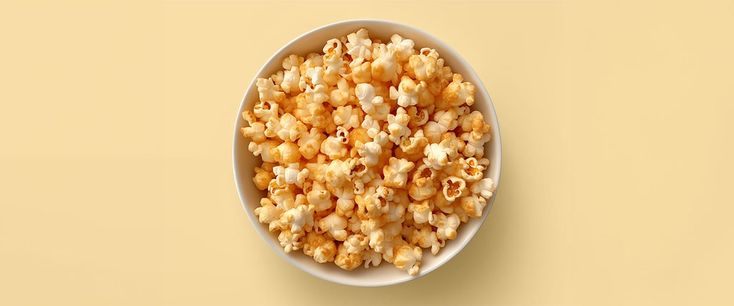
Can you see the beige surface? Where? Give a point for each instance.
(115, 164)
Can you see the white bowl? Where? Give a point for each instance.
(244, 162)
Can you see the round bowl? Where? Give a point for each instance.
(244, 161)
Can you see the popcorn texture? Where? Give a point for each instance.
(369, 152)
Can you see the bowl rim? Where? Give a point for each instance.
(495, 137)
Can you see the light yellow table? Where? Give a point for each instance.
(116, 126)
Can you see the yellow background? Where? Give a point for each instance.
(117, 119)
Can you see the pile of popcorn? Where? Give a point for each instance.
(370, 152)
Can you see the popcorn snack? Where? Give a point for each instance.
(369, 152)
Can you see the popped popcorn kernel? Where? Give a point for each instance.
(453, 187)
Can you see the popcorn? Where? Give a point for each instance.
(277, 78)
(418, 117)
(375, 203)
(397, 125)
(321, 248)
(340, 95)
(396, 208)
(347, 260)
(396, 173)
(370, 152)
(359, 45)
(319, 197)
(291, 80)
(347, 117)
(407, 92)
(484, 188)
(334, 146)
(370, 103)
(458, 92)
(473, 205)
(337, 173)
(267, 212)
(263, 149)
(356, 243)
(298, 218)
(283, 197)
(445, 225)
(256, 130)
(475, 145)
(425, 237)
(446, 119)
(362, 73)
(292, 61)
(262, 178)
(313, 60)
(437, 155)
(291, 175)
(471, 170)
(474, 122)
(423, 66)
(334, 224)
(268, 91)
(371, 257)
(358, 135)
(317, 94)
(409, 259)
(414, 144)
(433, 131)
(403, 47)
(310, 144)
(372, 126)
(287, 128)
(453, 187)
(333, 61)
(290, 241)
(421, 211)
(265, 110)
(385, 67)
(345, 207)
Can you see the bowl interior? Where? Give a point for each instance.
(244, 162)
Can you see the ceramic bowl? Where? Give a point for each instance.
(244, 161)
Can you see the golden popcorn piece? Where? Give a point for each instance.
(310, 144)
(403, 47)
(385, 67)
(268, 212)
(268, 91)
(320, 247)
(319, 197)
(396, 172)
(424, 65)
(458, 92)
(262, 178)
(421, 211)
(397, 126)
(346, 260)
(359, 45)
(453, 187)
(473, 205)
(408, 258)
(471, 170)
(445, 225)
(264, 110)
(335, 225)
(290, 241)
(407, 92)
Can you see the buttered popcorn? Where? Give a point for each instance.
(369, 152)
